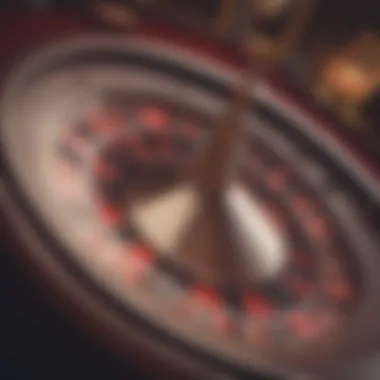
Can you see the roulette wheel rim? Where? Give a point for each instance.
(136, 46)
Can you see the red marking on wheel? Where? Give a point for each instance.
(107, 121)
(135, 271)
(154, 118)
(211, 300)
(304, 325)
(106, 171)
(207, 297)
(138, 264)
(111, 215)
(317, 227)
(258, 306)
(143, 253)
(277, 180)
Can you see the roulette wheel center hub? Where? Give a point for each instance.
(209, 222)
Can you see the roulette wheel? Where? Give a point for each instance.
(178, 204)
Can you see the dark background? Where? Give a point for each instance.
(38, 343)
(36, 340)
